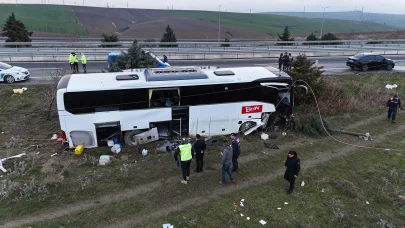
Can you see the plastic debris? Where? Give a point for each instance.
(144, 152)
(241, 204)
(279, 208)
(166, 147)
(242, 200)
(2, 132)
(54, 136)
(24, 88)
(110, 143)
(104, 160)
(54, 154)
(116, 149)
(248, 218)
(286, 203)
(367, 202)
(79, 149)
(302, 184)
(2, 160)
(284, 133)
(323, 190)
(18, 91)
(264, 136)
(388, 86)
(60, 140)
(168, 225)
(2, 168)
(263, 222)
(241, 215)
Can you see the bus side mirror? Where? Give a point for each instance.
(302, 87)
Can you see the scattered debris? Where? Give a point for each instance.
(367, 202)
(54, 154)
(248, 218)
(388, 86)
(168, 225)
(2, 132)
(144, 152)
(79, 149)
(284, 133)
(110, 143)
(18, 91)
(264, 136)
(165, 148)
(116, 149)
(263, 222)
(2, 160)
(54, 137)
(60, 140)
(302, 183)
(402, 197)
(241, 215)
(104, 160)
(365, 136)
(286, 203)
(323, 190)
(279, 208)
(242, 200)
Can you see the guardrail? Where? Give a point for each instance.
(203, 44)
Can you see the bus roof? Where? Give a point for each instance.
(170, 77)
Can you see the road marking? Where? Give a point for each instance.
(46, 68)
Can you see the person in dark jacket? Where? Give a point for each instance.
(236, 152)
(285, 61)
(226, 164)
(293, 168)
(280, 61)
(199, 149)
(165, 59)
(393, 104)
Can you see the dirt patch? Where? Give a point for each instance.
(346, 187)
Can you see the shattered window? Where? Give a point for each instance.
(285, 98)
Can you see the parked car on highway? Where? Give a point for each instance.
(367, 62)
(11, 74)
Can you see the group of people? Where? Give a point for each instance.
(285, 61)
(188, 152)
(74, 63)
(229, 161)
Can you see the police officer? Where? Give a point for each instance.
(84, 62)
(393, 104)
(71, 61)
(199, 149)
(75, 63)
(186, 155)
(164, 58)
(293, 168)
(236, 152)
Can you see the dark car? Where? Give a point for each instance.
(367, 62)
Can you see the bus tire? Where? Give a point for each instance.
(130, 139)
(246, 126)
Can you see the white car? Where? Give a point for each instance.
(11, 74)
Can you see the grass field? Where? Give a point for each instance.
(396, 20)
(273, 24)
(72, 191)
(44, 18)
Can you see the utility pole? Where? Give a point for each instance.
(63, 2)
(172, 7)
(127, 5)
(323, 18)
(83, 2)
(219, 23)
(304, 12)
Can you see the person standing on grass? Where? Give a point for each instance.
(293, 168)
(236, 152)
(393, 104)
(186, 155)
(199, 149)
(226, 165)
(280, 61)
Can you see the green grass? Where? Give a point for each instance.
(44, 18)
(274, 24)
(396, 20)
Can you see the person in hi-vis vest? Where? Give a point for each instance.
(186, 155)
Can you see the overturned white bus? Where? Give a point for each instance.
(170, 102)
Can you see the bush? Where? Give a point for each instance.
(311, 37)
(286, 36)
(310, 125)
(110, 39)
(226, 45)
(330, 36)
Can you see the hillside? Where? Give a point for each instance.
(396, 20)
(52, 20)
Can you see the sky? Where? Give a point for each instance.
(374, 6)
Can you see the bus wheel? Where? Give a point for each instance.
(130, 138)
(246, 126)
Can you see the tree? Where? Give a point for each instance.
(135, 58)
(169, 37)
(110, 39)
(330, 36)
(226, 45)
(312, 37)
(305, 70)
(286, 36)
(15, 30)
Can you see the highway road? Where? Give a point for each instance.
(332, 65)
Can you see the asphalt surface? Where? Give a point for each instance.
(42, 71)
